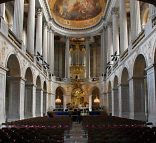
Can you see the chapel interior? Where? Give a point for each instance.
(77, 71)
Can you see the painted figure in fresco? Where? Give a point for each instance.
(77, 9)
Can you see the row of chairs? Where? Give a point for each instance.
(102, 129)
(36, 130)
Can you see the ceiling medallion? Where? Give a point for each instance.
(77, 14)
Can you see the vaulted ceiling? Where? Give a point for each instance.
(77, 14)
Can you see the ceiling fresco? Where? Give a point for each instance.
(77, 13)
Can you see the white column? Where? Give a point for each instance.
(90, 102)
(88, 59)
(34, 102)
(64, 101)
(135, 19)
(45, 46)
(120, 100)
(31, 27)
(51, 50)
(104, 50)
(22, 94)
(53, 100)
(113, 106)
(2, 10)
(110, 42)
(151, 94)
(39, 32)
(48, 43)
(47, 102)
(67, 58)
(131, 98)
(2, 95)
(41, 103)
(18, 18)
(123, 27)
(115, 25)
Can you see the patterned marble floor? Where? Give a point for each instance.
(76, 134)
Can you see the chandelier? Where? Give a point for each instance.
(96, 100)
(58, 100)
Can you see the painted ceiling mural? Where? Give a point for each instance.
(77, 9)
(77, 13)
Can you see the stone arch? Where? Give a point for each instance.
(28, 99)
(125, 105)
(38, 96)
(44, 97)
(140, 88)
(13, 79)
(59, 98)
(109, 97)
(95, 98)
(115, 97)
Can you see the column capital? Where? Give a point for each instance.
(39, 11)
(50, 29)
(105, 27)
(115, 11)
(109, 24)
(45, 25)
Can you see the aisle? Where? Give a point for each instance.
(76, 134)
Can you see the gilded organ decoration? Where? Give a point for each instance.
(77, 14)
(77, 58)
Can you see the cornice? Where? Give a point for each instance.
(77, 32)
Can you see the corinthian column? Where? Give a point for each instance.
(115, 30)
(45, 47)
(39, 31)
(31, 27)
(135, 18)
(67, 58)
(51, 50)
(88, 59)
(18, 18)
(123, 26)
(110, 41)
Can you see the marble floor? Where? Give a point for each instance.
(76, 134)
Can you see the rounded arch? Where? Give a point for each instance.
(12, 87)
(115, 82)
(139, 66)
(59, 97)
(13, 66)
(38, 82)
(115, 99)
(29, 75)
(124, 76)
(109, 86)
(28, 93)
(125, 102)
(140, 88)
(44, 86)
(95, 98)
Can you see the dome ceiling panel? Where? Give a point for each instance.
(77, 14)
